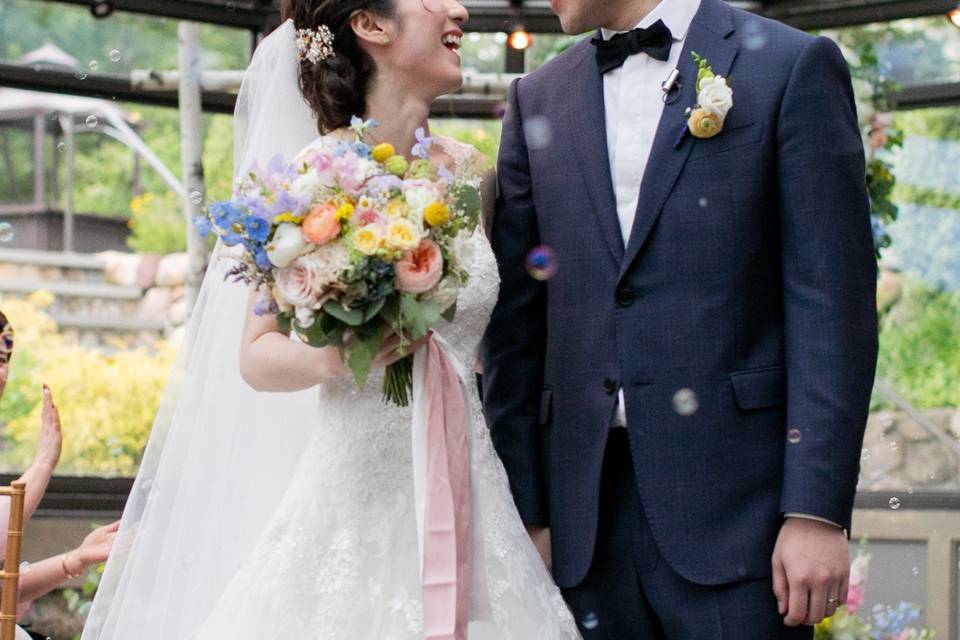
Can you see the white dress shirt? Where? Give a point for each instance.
(633, 105)
(633, 102)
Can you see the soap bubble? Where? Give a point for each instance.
(541, 263)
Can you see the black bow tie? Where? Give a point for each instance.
(655, 41)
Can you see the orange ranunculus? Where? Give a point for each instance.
(321, 225)
(704, 124)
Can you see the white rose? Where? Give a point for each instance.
(286, 245)
(419, 197)
(445, 293)
(858, 570)
(307, 185)
(716, 96)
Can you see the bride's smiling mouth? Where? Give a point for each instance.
(451, 40)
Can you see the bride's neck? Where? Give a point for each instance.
(398, 113)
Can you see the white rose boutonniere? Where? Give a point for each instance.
(714, 102)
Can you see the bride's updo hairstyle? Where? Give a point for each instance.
(336, 87)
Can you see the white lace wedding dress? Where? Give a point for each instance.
(340, 557)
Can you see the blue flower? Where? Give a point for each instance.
(260, 257)
(359, 125)
(231, 238)
(424, 142)
(203, 225)
(257, 228)
(224, 214)
(362, 149)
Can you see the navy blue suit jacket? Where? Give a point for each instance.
(749, 278)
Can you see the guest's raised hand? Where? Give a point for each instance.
(51, 437)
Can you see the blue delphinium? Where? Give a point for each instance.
(257, 229)
(224, 214)
(203, 225)
(890, 622)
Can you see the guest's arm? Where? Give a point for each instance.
(38, 474)
(46, 575)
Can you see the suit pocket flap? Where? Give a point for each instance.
(760, 388)
(546, 397)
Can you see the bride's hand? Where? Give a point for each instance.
(391, 350)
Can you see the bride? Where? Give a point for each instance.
(293, 513)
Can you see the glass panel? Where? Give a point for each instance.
(913, 51)
(914, 433)
(897, 573)
(114, 45)
(484, 52)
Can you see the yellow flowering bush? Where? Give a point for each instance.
(107, 401)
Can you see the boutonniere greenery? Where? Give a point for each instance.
(714, 101)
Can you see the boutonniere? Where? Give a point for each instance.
(714, 101)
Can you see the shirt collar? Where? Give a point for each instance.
(676, 14)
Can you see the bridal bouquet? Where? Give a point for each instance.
(351, 243)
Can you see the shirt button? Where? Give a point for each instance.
(610, 386)
(626, 296)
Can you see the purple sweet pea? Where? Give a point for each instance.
(424, 142)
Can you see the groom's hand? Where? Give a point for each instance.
(541, 540)
(811, 569)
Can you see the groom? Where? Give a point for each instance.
(680, 408)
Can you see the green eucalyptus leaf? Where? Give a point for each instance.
(352, 317)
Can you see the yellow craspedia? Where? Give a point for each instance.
(436, 214)
(383, 152)
(396, 208)
(402, 235)
(367, 240)
(345, 211)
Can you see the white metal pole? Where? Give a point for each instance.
(191, 153)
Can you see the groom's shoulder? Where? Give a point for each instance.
(774, 44)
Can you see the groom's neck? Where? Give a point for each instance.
(629, 13)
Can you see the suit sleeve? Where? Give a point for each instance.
(512, 350)
(829, 276)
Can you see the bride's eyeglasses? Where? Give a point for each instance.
(436, 6)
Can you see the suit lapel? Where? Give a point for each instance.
(588, 123)
(708, 36)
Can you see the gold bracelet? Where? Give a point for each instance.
(66, 571)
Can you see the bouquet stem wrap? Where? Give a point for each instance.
(441, 459)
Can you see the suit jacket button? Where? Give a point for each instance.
(610, 386)
(626, 296)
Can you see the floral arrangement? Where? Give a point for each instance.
(714, 101)
(350, 243)
(886, 623)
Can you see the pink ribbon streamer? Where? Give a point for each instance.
(447, 535)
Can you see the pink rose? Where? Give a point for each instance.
(296, 284)
(363, 217)
(420, 269)
(321, 224)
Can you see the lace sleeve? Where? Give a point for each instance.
(473, 167)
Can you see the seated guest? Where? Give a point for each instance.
(39, 578)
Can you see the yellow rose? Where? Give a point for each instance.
(396, 208)
(383, 152)
(402, 235)
(436, 214)
(367, 240)
(704, 124)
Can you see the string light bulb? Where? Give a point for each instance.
(954, 16)
(520, 39)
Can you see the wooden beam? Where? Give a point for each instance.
(826, 14)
